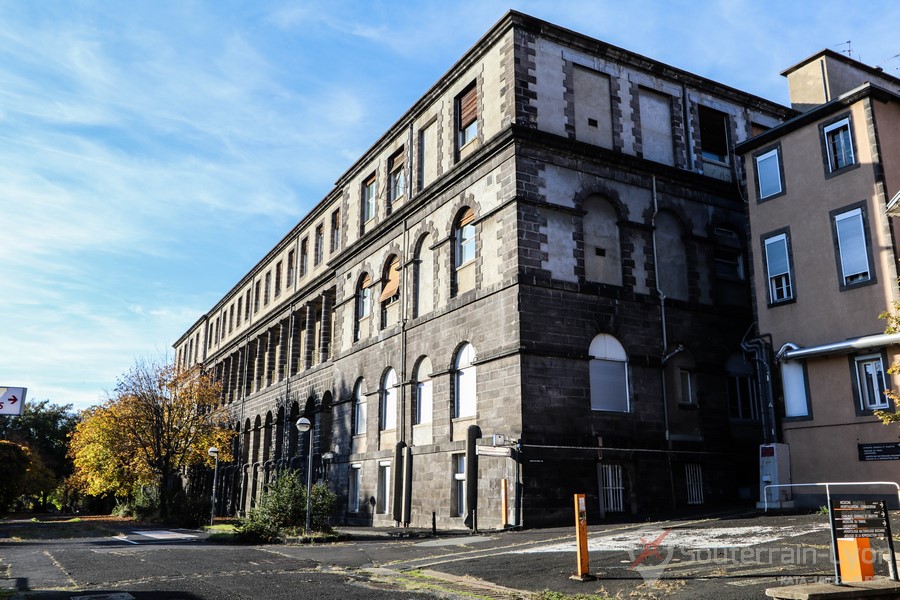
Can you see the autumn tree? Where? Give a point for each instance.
(893, 326)
(159, 422)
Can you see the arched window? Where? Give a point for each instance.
(390, 292)
(463, 252)
(465, 392)
(464, 235)
(363, 307)
(389, 400)
(359, 408)
(423, 278)
(424, 405)
(608, 374)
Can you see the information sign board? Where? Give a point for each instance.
(879, 451)
(859, 518)
(12, 399)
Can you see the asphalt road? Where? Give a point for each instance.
(733, 557)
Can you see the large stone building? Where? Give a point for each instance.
(532, 285)
(825, 266)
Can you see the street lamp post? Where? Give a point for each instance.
(214, 452)
(304, 425)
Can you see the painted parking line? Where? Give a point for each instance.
(155, 535)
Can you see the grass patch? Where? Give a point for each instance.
(223, 537)
(221, 528)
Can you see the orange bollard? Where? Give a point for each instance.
(584, 571)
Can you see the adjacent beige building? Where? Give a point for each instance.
(825, 266)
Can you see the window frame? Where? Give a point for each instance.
(458, 492)
(466, 110)
(354, 486)
(860, 399)
(766, 240)
(725, 119)
(278, 267)
(396, 177)
(304, 257)
(359, 409)
(466, 352)
(827, 129)
(855, 210)
(319, 244)
(369, 195)
(798, 367)
(764, 154)
(465, 238)
(389, 402)
(602, 352)
(335, 231)
(289, 274)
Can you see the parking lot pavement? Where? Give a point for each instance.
(722, 558)
(726, 557)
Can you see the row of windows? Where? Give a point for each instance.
(853, 254)
(838, 155)
(869, 385)
(464, 393)
(464, 253)
(272, 284)
(383, 487)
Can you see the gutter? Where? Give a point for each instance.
(793, 352)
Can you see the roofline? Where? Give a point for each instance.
(853, 96)
(877, 71)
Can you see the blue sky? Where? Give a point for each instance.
(152, 152)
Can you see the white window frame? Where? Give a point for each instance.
(459, 484)
(424, 402)
(612, 485)
(796, 398)
(465, 392)
(359, 410)
(864, 389)
(354, 485)
(608, 357)
(465, 244)
(852, 257)
(383, 500)
(764, 190)
(781, 283)
(389, 401)
(370, 193)
(833, 132)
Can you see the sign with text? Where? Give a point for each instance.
(12, 399)
(859, 518)
(879, 451)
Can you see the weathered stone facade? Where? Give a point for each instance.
(506, 226)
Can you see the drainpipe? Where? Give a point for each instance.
(759, 349)
(662, 305)
(665, 340)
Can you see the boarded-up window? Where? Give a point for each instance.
(593, 113)
(656, 127)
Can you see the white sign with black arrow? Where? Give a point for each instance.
(12, 399)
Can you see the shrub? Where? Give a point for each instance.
(283, 506)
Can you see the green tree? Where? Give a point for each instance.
(159, 422)
(43, 428)
(15, 461)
